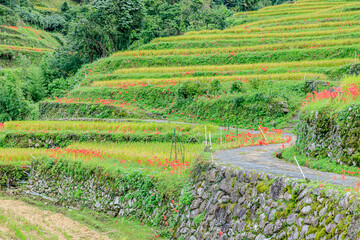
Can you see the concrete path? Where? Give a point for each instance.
(260, 158)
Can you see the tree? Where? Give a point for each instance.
(13, 104)
(106, 28)
(175, 17)
(65, 7)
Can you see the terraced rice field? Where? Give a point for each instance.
(272, 55)
(17, 41)
(311, 43)
(140, 147)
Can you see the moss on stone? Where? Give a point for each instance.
(329, 219)
(262, 187)
(290, 207)
(311, 230)
(233, 180)
(224, 205)
(232, 207)
(199, 218)
(320, 234)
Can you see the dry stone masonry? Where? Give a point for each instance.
(234, 204)
(333, 134)
(227, 203)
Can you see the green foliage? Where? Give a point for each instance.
(11, 174)
(238, 100)
(321, 163)
(168, 18)
(248, 5)
(65, 7)
(7, 16)
(237, 87)
(54, 23)
(186, 197)
(13, 104)
(50, 110)
(199, 218)
(19, 89)
(190, 89)
(215, 87)
(93, 40)
(255, 83)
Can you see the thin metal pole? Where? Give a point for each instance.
(300, 168)
(263, 134)
(210, 138)
(355, 56)
(205, 137)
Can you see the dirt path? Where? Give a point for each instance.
(19, 219)
(260, 158)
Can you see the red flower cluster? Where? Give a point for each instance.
(336, 93)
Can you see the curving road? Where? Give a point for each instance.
(260, 158)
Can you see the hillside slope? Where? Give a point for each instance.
(276, 56)
(17, 41)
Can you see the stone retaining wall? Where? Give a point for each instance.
(227, 203)
(50, 110)
(333, 134)
(237, 204)
(120, 194)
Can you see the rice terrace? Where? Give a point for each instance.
(180, 119)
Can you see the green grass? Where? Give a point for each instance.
(56, 4)
(320, 163)
(20, 228)
(340, 102)
(114, 228)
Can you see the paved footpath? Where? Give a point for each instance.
(260, 158)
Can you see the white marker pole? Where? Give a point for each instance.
(210, 138)
(263, 134)
(300, 168)
(355, 56)
(212, 157)
(205, 137)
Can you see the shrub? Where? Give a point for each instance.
(190, 89)
(215, 86)
(65, 7)
(13, 104)
(237, 101)
(355, 69)
(54, 23)
(237, 86)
